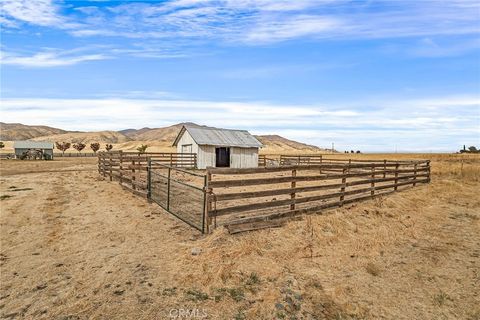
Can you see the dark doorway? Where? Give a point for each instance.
(222, 157)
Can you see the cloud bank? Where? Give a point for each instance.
(440, 124)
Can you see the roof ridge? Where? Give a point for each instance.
(213, 128)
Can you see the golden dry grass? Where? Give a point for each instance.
(78, 247)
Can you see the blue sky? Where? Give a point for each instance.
(369, 75)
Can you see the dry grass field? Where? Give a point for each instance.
(74, 246)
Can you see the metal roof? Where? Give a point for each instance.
(220, 137)
(32, 145)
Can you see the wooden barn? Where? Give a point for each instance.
(33, 149)
(217, 147)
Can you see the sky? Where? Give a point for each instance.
(375, 76)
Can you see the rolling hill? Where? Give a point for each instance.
(18, 131)
(158, 139)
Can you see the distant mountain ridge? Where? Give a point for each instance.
(18, 131)
(129, 139)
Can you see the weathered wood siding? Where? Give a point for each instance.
(187, 139)
(206, 157)
(243, 157)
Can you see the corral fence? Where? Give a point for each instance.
(252, 198)
(241, 198)
(131, 169)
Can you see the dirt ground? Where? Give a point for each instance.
(74, 246)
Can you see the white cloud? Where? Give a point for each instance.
(48, 58)
(297, 26)
(422, 124)
(254, 21)
(39, 12)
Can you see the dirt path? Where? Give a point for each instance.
(74, 244)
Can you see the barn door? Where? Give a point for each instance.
(222, 157)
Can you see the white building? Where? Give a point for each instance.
(219, 147)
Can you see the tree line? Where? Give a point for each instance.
(64, 146)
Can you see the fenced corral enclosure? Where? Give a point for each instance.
(253, 198)
(131, 169)
(242, 197)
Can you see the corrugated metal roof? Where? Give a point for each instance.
(32, 145)
(221, 137)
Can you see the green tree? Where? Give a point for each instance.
(142, 149)
(108, 147)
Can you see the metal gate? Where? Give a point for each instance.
(180, 192)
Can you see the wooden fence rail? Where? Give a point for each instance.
(130, 169)
(239, 196)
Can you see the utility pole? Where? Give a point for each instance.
(333, 146)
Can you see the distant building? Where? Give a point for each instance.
(219, 147)
(22, 147)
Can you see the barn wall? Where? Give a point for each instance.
(206, 157)
(187, 139)
(243, 157)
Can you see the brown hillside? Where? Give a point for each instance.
(18, 131)
(87, 137)
(158, 139)
(276, 143)
(167, 134)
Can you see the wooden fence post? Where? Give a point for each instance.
(415, 175)
(396, 177)
(133, 175)
(149, 179)
(428, 171)
(344, 184)
(208, 199)
(171, 159)
(293, 186)
(372, 185)
(120, 167)
(168, 188)
(384, 168)
(111, 163)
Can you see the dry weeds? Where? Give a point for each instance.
(78, 247)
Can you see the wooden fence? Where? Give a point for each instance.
(247, 199)
(131, 169)
(234, 199)
(300, 160)
(75, 154)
